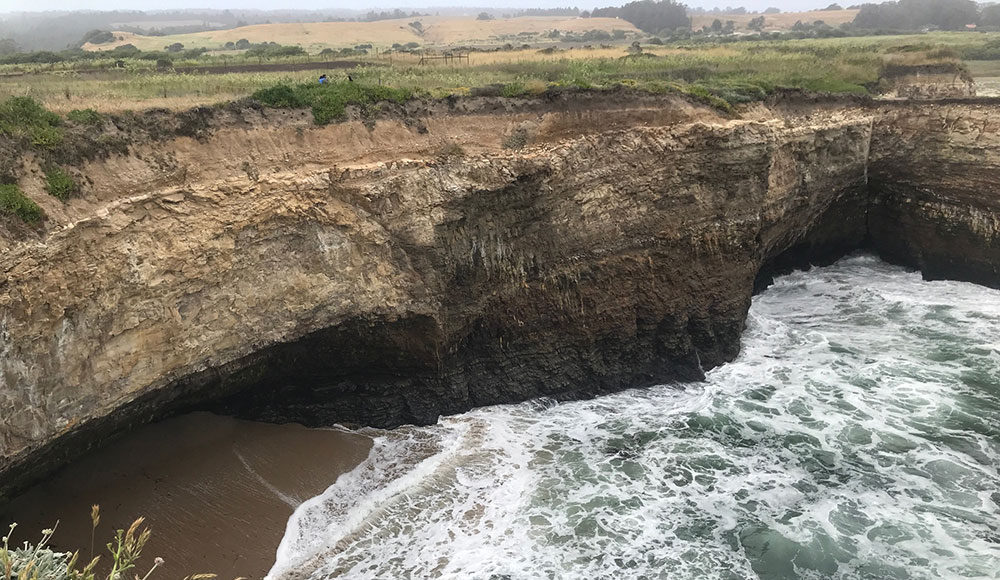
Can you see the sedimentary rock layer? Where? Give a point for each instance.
(388, 274)
(935, 189)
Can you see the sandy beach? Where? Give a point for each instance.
(216, 491)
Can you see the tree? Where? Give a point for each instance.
(484, 16)
(242, 44)
(756, 23)
(97, 37)
(8, 46)
(175, 47)
(990, 15)
(716, 26)
(918, 14)
(834, 7)
(125, 51)
(652, 16)
(772, 10)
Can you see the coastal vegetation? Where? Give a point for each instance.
(14, 202)
(39, 561)
(328, 102)
(59, 183)
(734, 72)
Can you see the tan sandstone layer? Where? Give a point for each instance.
(357, 273)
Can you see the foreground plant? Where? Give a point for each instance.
(40, 562)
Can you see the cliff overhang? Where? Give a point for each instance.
(389, 273)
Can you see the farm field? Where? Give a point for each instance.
(435, 31)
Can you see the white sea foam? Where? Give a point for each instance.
(856, 436)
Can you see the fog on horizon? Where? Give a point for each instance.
(333, 5)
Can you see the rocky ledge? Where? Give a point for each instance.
(387, 274)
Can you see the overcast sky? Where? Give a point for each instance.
(37, 5)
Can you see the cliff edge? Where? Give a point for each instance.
(386, 273)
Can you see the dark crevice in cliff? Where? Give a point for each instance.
(840, 230)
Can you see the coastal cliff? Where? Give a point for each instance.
(934, 178)
(386, 273)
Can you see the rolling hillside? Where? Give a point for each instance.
(316, 36)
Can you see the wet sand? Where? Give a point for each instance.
(216, 491)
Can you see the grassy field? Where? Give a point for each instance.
(781, 21)
(436, 31)
(735, 72)
(441, 31)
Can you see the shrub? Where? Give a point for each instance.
(59, 183)
(267, 50)
(513, 90)
(280, 97)
(450, 150)
(518, 139)
(24, 118)
(14, 202)
(329, 101)
(85, 117)
(125, 51)
(97, 37)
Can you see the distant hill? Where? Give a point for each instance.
(433, 31)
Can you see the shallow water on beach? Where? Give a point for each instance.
(216, 492)
(856, 436)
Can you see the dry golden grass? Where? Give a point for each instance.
(315, 36)
(782, 21)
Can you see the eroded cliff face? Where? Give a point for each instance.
(358, 275)
(935, 175)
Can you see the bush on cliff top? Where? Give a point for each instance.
(329, 101)
(25, 119)
(14, 202)
(85, 116)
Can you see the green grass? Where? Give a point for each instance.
(25, 119)
(733, 72)
(85, 116)
(59, 183)
(14, 202)
(329, 101)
